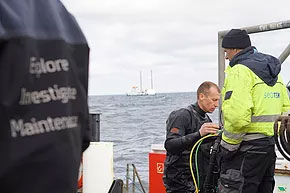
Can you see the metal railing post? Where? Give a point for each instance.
(284, 54)
(139, 179)
(133, 185)
(262, 28)
(221, 62)
(127, 178)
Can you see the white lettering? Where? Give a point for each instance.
(16, 127)
(55, 93)
(19, 128)
(39, 67)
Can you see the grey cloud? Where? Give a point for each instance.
(175, 38)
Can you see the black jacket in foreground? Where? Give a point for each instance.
(44, 116)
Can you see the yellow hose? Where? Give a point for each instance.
(190, 159)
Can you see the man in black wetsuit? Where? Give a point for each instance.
(184, 128)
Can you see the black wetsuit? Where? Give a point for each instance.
(177, 176)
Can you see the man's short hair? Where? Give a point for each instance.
(204, 88)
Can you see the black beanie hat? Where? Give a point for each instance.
(236, 38)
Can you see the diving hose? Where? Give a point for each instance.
(190, 159)
(212, 172)
(282, 135)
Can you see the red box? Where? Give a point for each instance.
(156, 168)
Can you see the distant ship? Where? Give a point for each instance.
(135, 91)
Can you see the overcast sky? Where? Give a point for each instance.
(177, 39)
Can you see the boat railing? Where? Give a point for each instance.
(132, 180)
(288, 86)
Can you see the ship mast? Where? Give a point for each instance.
(141, 89)
(151, 80)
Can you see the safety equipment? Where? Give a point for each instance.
(251, 107)
(213, 171)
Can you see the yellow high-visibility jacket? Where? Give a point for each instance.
(253, 97)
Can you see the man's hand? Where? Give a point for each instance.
(207, 128)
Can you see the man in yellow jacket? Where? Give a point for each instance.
(253, 97)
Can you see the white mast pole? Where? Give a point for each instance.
(151, 80)
(141, 89)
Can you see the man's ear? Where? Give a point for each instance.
(201, 96)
